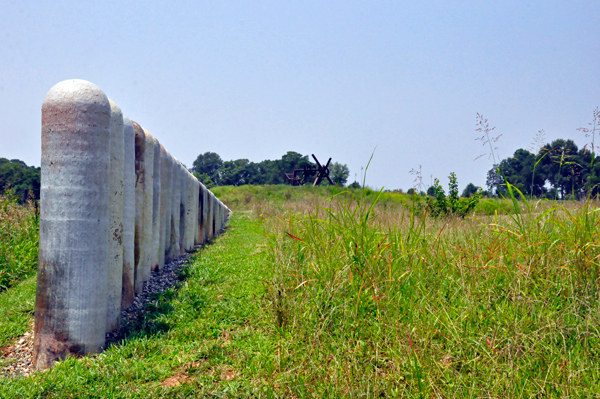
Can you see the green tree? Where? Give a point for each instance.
(208, 163)
(520, 171)
(211, 170)
(22, 180)
(237, 173)
(205, 179)
(339, 173)
(469, 191)
(562, 167)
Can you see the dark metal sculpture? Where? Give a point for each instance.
(301, 176)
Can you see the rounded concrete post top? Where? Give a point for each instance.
(127, 121)
(137, 127)
(76, 92)
(163, 150)
(148, 135)
(115, 109)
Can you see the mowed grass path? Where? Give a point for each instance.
(210, 338)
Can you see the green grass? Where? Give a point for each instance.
(209, 334)
(245, 197)
(19, 227)
(307, 297)
(397, 305)
(16, 306)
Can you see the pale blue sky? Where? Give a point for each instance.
(255, 79)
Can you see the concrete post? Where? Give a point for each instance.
(216, 216)
(205, 213)
(207, 222)
(140, 198)
(189, 211)
(220, 215)
(149, 253)
(183, 209)
(156, 198)
(175, 210)
(200, 236)
(169, 217)
(127, 291)
(213, 214)
(196, 208)
(164, 202)
(219, 219)
(70, 310)
(115, 222)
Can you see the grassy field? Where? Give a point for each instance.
(245, 197)
(384, 302)
(19, 227)
(313, 295)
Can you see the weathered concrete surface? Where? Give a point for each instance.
(192, 201)
(215, 215)
(211, 215)
(149, 253)
(164, 203)
(156, 198)
(219, 215)
(169, 218)
(196, 210)
(175, 210)
(127, 292)
(190, 206)
(115, 221)
(200, 219)
(140, 208)
(182, 209)
(70, 311)
(205, 213)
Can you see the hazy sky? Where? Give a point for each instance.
(255, 79)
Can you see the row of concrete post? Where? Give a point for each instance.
(115, 205)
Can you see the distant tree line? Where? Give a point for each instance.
(212, 171)
(559, 170)
(19, 180)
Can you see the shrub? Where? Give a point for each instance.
(452, 204)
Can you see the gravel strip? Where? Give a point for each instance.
(160, 281)
(15, 359)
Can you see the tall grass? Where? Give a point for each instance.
(393, 303)
(19, 226)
